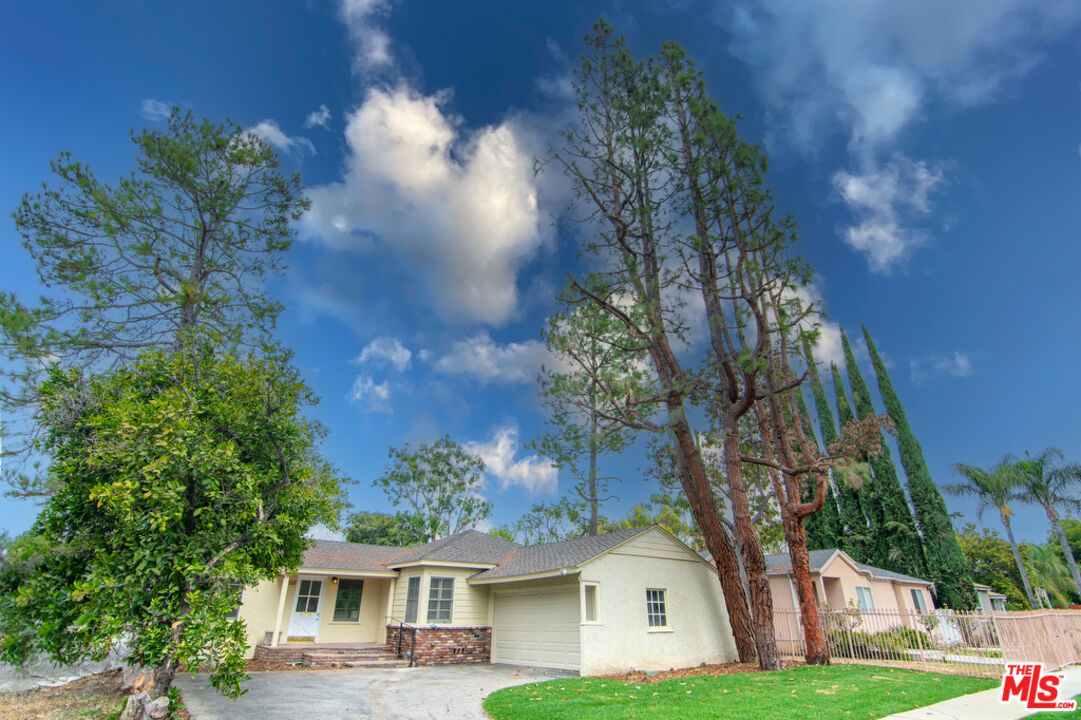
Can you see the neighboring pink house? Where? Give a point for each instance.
(841, 582)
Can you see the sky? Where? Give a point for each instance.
(930, 152)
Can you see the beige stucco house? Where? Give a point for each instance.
(634, 599)
(988, 599)
(841, 582)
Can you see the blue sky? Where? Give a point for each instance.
(930, 151)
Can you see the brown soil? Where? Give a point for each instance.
(725, 669)
(91, 698)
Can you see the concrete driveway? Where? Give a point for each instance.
(425, 693)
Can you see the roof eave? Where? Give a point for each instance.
(527, 576)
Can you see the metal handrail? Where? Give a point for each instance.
(402, 627)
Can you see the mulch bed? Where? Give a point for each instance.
(93, 696)
(724, 669)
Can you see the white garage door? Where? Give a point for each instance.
(537, 628)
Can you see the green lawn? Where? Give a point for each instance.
(852, 692)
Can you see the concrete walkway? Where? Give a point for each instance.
(424, 693)
(986, 705)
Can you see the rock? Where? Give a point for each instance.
(141, 707)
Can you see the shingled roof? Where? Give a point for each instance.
(468, 546)
(549, 557)
(349, 556)
(780, 563)
(471, 548)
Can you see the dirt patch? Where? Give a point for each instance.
(724, 669)
(94, 697)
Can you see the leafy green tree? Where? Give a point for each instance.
(183, 242)
(946, 565)
(1053, 488)
(997, 488)
(591, 361)
(1072, 529)
(618, 157)
(553, 522)
(398, 530)
(856, 511)
(992, 563)
(440, 483)
(823, 527)
(1046, 569)
(503, 531)
(899, 545)
(181, 478)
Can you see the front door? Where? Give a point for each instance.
(304, 623)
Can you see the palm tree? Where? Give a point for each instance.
(1052, 488)
(997, 488)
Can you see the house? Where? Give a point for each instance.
(633, 599)
(841, 582)
(988, 600)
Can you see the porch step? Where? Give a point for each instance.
(355, 657)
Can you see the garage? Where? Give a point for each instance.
(538, 628)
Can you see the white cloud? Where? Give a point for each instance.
(319, 117)
(269, 131)
(532, 473)
(371, 44)
(322, 532)
(482, 358)
(385, 350)
(869, 66)
(956, 364)
(371, 396)
(883, 200)
(155, 110)
(461, 208)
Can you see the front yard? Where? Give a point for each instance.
(853, 692)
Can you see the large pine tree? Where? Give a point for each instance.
(946, 564)
(858, 525)
(823, 527)
(898, 545)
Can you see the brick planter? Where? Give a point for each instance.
(445, 645)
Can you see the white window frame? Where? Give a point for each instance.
(919, 602)
(870, 604)
(665, 610)
(448, 600)
(409, 586)
(596, 588)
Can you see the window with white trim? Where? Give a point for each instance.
(918, 601)
(656, 607)
(589, 602)
(440, 599)
(866, 600)
(412, 599)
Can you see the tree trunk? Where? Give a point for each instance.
(754, 561)
(816, 652)
(1017, 559)
(163, 678)
(594, 500)
(1061, 534)
(695, 483)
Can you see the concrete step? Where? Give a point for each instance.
(387, 663)
(317, 658)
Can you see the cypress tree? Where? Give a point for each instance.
(858, 527)
(823, 527)
(899, 547)
(946, 564)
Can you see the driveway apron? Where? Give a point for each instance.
(380, 694)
